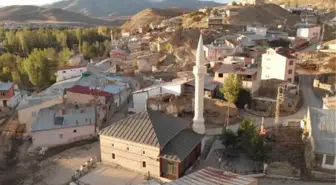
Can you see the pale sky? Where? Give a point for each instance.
(42, 2)
(25, 2)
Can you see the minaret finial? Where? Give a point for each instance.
(200, 52)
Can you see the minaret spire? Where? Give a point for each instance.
(199, 71)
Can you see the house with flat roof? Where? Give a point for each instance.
(214, 176)
(62, 124)
(29, 107)
(151, 143)
(247, 72)
(278, 64)
(308, 31)
(215, 22)
(218, 51)
(320, 126)
(67, 72)
(329, 102)
(257, 29)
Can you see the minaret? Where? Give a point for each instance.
(199, 72)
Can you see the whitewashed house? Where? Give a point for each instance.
(140, 97)
(62, 124)
(64, 73)
(309, 31)
(278, 65)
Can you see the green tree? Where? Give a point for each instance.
(230, 90)
(41, 67)
(251, 141)
(229, 138)
(64, 56)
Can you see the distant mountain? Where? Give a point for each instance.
(105, 8)
(36, 14)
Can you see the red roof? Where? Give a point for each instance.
(86, 90)
(70, 67)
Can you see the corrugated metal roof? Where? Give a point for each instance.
(323, 125)
(213, 176)
(149, 127)
(31, 101)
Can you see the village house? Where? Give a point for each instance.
(29, 107)
(146, 61)
(257, 29)
(321, 135)
(151, 143)
(247, 72)
(250, 39)
(218, 51)
(137, 46)
(209, 86)
(273, 35)
(10, 95)
(64, 73)
(118, 53)
(139, 97)
(278, 65)
(214, 176)
(215, 22)
(63, 123)
(308, 31)
(329, 102)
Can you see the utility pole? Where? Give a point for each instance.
(280, 99)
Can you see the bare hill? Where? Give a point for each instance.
(267, 14)
(150, 15)
(319, 4)
(35, 14)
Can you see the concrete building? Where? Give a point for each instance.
(29, 107)
(257, 29)
(62, 124)
(118, 53)
(309, 31)
(64, 73)
(215, 22)
(250, 39)
(248, 73)
(6, 93)
(276, 35)
(213, 176)
(218, 51)
(329, 102)
(320, 126)
(278, 65)
(151, 143)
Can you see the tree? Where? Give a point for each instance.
(251, 141)
(64, 56)
(229, 138)
(230, 90)
(41, 67)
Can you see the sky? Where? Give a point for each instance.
(42, 2)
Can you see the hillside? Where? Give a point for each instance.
(320, 4)
(104, 8)
(267, 14)
(35, 14)
(150, 15)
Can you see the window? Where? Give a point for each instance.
(290, 71)
(33, 114)
(143, 152)
(61, 136)
(3, 94)
(74, 131)
(291, 62)
(289, 79)
(171, 168)
(127, 148)
(144, 164)
(64, 71)
(329, 160)
(220, 75)
(113, 156)
(112, 145)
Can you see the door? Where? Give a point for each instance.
(4, 102)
